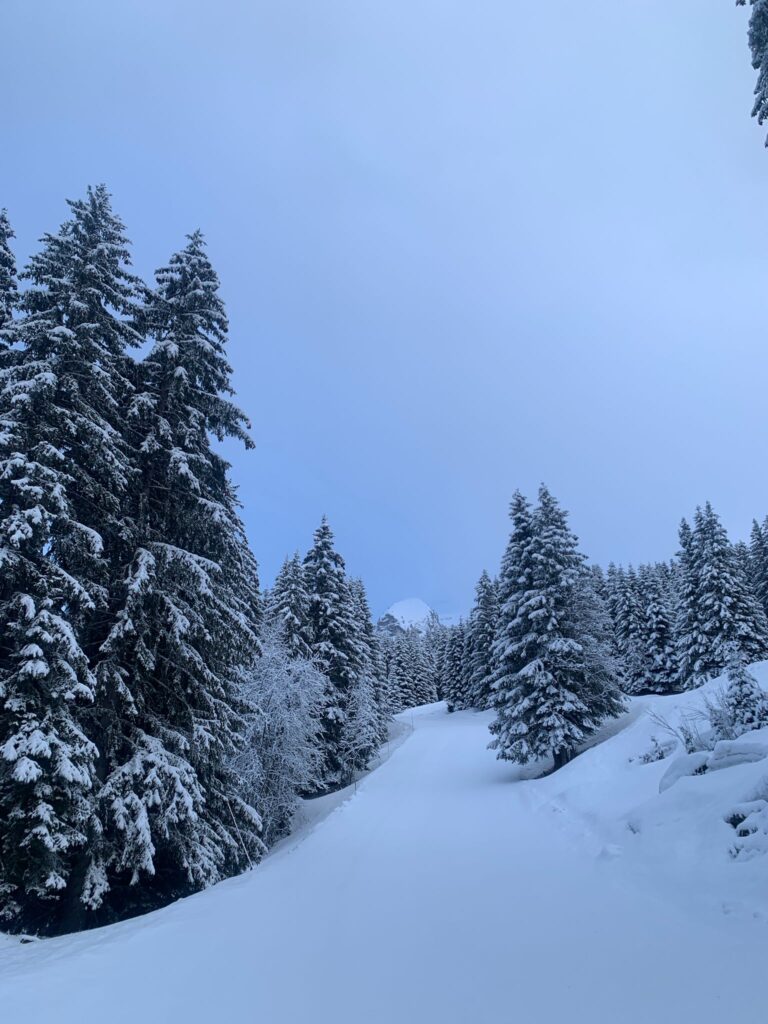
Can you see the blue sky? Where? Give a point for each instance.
(465, 247)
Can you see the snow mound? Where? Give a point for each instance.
(726, 754)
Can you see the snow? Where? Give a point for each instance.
(411, 613)
(449, 886)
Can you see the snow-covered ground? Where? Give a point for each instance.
(450, 887)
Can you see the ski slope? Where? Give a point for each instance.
(450, 888)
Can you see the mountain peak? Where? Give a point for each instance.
(410, 613)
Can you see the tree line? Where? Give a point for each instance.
(553, 645)
(158, 716)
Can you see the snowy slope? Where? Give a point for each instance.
(453, 888)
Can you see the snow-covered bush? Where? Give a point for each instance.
(281, 757)
(657, 751)
(750, 820)
(689, 732)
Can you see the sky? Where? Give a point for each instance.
(465, 247)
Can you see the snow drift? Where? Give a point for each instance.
(456, 888)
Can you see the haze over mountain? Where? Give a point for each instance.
(410, 613)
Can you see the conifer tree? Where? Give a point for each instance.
(745, 699)
(483, 628)
(186, 618)
(718, 606)
(434, 640)
(411, 676)
(374, 678)
(758, 561)
(337, 647)
(510, 646)
(396, 668)
(659, 636)
(555, 681)
(288, 608)
(64, 474)
(690, 641)
(758, 45)
(455, 690)
(8, 286)
(631, 633)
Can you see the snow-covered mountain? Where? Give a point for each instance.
(411, 613)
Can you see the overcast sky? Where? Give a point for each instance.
(465, 247)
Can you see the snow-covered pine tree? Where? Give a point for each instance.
(185, 622)
(65, 470)
(395, 666)
(372, 667)
(744, 563)
(8, 286)
(631, 633)
(690, 641)
(659, 631)
(614, 578)
(424, 685)
(483, 628)
(745, 700)
(592, 628)
(287, 607)
(411, 676)
(337, 647)
(455, 690)
(434, 644)
(555, 682)
(721, 608)
(758, 561)
(510, 646)
(758, 45)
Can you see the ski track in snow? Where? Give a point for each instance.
(448, 888)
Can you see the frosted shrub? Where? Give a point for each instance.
(281, 757)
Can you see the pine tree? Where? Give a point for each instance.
(555, 681)
(758, 562)
(373, 673)
(64, 473)
(758, 44)
(8, 287)
(631, 633)
(483, 629)
(690, 641)
(659, 636)
(745, 699)
(288, 608)
(718, 606)
(456, 693)
(433, 641)
(510, 646)
(337, 648)
(185, 623)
